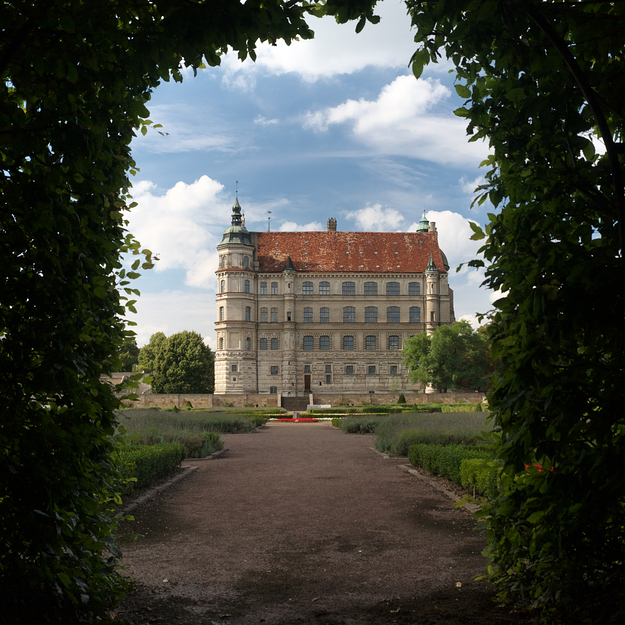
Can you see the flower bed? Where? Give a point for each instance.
(298, 420)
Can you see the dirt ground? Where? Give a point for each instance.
(300, 523)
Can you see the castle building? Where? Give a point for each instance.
(328, 312)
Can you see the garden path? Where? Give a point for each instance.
(300, 523)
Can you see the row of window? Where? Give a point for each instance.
(347, 288)
(223, 261)
(393, 314)
(349, 370)
(371, 343)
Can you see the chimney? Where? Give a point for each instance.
(331, 224)
(432, 227)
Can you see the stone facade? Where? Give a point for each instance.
(324, 312)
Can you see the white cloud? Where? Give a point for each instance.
(399, 122)
(336, 49)
(183, 226)
(291, 226)
(264, 122)
(175, 311)
(470, 187)
(376, 219)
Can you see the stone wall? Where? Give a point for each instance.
(202, 401)
(355, 399)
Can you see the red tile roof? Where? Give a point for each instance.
(348, 252)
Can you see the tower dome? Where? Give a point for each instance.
(237, 232)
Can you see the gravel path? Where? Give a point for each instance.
(300, 523)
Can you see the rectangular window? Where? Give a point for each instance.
(328, 368)
(248, 313)
(324, 315)
(274, 315)
(309, 343)
(349, 314)
(414, 314)
(324, 343)
(328, 379)
(432, 316)
(274, 370)
(392, 288)
(371, 369)
(274, 288)
(273, 390)
(348, 343)
(308, 315)
(234, 368)
(371, 288)
(349, 370)
(246, 286)
(370, 342)
(324, 288)
(393, 342)
(307, 288)
(392, 314)
(393, 370)
(263, 315)
(414, 288)
(306, 368)
(221, 313)
(263, 288)
(349, 288)
(371, 314)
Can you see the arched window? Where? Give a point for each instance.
(274, 315)
(221, 343)
(392, 314)
(309, 343)
(349, 288)
(263, 344)
(324, 288)
(392, 288)
(370, 342)
(349, 314)
(371, 314)
(348, 343)
(324, 315)
(221, 313)
(248, 342)
(414, 288)
(246, 285)
(248, 313)
(414, 314)
(371, 288)
(246, 262)
(393, 342)
(274, 344)
(263, 315)
(223, 286)
(308, 315)
(307, 288)
(324, 343)
(223, 261)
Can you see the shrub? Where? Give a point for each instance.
(445, 460)
(401, 399)
(142, 465)
(188, 406)
(351, 425)
(480, 476)
(228, 404)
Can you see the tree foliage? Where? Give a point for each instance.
(451, 357)
(181, 363)
(129, 354)
(543, 83)
(75, 78)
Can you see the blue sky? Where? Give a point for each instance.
(334, 127)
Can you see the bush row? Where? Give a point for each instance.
(447, 460)
(143, 465)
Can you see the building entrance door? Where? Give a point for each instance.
(307, 383)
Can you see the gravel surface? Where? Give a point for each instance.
(300, 523)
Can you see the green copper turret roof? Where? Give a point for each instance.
(237, 233)
(431, 266)
(424, 224)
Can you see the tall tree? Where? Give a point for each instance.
(451, 357)
(183, 363)
(75, 78)
(148, 353)
(543, 83)
(129, 354)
